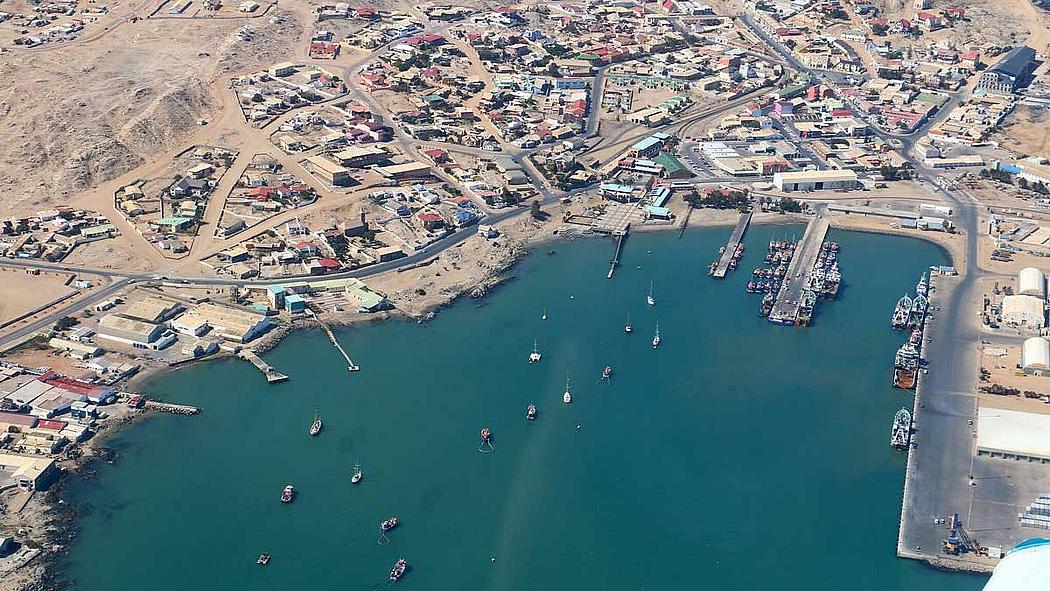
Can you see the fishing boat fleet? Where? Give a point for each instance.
(734, 260)
(821, 282)
(910, 315)
(900, 433)
(769, 278)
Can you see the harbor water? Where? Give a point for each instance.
(739, 455)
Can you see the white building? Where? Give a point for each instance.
(1024, 311)
(1013, 435)
(1031, 281)
(815, 180)
(1035, 356)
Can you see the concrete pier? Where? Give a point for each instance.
(785, 308)
(616, 254)
(734, 241)
(350, 366)
(272, 375)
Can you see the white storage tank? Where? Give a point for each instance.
(1025, 568)
(1031, 281)
(1035, 354)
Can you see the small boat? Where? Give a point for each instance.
(399, 569)
(263, 559)
(656, 337)
(358, 475)
(567, 397)
(900, 433)
(535, 355)
(606, 373)
(388, 525)
(921, 288)
(530, 412)
(315, 427)
(544, 317)
(486, 435)
(627, 327)
(288, 494)
(649, 297)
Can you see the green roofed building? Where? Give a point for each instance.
(672, 167)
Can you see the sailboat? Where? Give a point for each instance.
(649, 297)
(627, 327)
(315, 427)
(535, 355)
(567, 397)
(358, 475)
(656, 337)
(544, 317)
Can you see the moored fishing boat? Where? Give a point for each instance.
(900, 433)
(656, 338)
(530, 412)
(288, 494)
(388, 524)
(902, 313)
(399, 570)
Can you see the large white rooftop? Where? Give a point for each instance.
(1013, 432)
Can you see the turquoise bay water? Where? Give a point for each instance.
(738, 456)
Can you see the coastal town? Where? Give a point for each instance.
(330, 165)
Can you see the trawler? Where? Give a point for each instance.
(805, 308)
(535, 355)
(399, 569)
(388, 525)
(921, 287)
(919, 305)
(901, 431)
(905, 367)
(832, 281)
(902, 313)
(767, 304)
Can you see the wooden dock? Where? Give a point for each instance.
(272, 375)
(734, 241)
(785, 308)
(350, 365)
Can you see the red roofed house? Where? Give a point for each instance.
(956, 12)
(928, 21)
(329, 264)
(436, 155)
(431, 221)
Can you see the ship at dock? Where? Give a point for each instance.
(906, 366)
(902, 313)
(900, 434)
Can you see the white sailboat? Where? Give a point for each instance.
(535, 355)
(544, 317)
(567, 397)
(627, 327)
(656, 337)
(358, 475)
(649, 297)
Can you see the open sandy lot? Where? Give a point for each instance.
(20, 292)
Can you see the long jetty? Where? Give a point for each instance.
(731, 246)
(789, 298)
(350, 365)
(616, 254)
(272, 375)
(179, 409)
